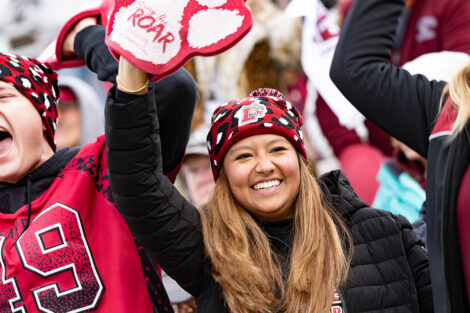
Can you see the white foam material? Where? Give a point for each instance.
(212, 25)
(48, 52)
(212, 3)
(438, 65)
(139, 41)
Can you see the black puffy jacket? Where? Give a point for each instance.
(389, 268)
(407, 107)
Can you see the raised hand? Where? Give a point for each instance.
(59, 53)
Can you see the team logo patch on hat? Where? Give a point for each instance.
(251, 113)
(265, 111)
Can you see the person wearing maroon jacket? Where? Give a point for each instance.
(432, 118)
(433, 26)
(425, 26)
(64, 246)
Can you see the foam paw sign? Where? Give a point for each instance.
(52, 55)
(160, 36)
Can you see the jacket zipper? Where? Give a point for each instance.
(343, 301)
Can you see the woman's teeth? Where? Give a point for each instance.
(267, 185)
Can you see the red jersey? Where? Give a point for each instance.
(436, 25)
(432, 26)
(77, 254)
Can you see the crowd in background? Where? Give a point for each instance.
(291, 48)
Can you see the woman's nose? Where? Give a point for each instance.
(264, 165)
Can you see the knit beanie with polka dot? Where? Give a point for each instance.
(38, 83)
(264, 111)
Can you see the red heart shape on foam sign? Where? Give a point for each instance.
(160, 36)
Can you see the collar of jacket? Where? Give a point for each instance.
(13, 196)
(339, 192)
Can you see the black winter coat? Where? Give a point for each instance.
(407, 108)
(389, 268)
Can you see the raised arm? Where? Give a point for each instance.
(404, 106)
(175, 108)
(161, 219)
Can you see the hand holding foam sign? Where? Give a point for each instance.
(159, 36)
(52, 54)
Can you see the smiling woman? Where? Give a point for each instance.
(259, 163)
(272, 237)
(263, 173)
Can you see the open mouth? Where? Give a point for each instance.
(267, 185)
(4, 134)
(6, 141)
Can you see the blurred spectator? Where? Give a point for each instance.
(260, 59)
(81, 118)
(402, 181)
(197, 167)
(425, 26)
(432, 117)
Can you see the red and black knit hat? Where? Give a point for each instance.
(264, 111)
(38, 83)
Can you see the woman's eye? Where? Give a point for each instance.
(242, 156)
(278, 149)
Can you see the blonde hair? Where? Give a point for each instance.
(459, 91)
(249, 272)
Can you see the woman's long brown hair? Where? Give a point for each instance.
(247, 269)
